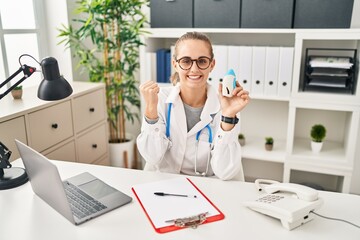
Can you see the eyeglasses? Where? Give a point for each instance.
(186, 63)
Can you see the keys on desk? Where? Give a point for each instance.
(82, 205)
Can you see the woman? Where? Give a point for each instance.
(189, 128)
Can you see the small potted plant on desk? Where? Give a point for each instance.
(241, 139)
(317, 133)
(17, 92)
(269, 143)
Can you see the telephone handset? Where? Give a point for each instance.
(289, 202)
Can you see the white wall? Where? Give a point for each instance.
(56, 14)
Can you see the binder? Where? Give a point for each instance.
(245, 67)
(220, 69)
(170, 213)
(151, 66)
(286, 61)
(271, 71)
(161, 65)
(167, 66)
(258, 70)
(233, 61)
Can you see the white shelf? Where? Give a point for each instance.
(332, 153)
(255, 149)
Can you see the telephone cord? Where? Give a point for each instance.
(335, 219)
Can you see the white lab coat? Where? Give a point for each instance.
(168, 155)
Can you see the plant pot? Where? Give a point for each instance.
(17, 94)
(316, 146)
(122, 154)
(242, 142)
(269, 147)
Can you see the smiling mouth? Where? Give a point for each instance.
(197, 77)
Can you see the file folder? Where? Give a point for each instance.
(234, 59)
(258, 70)
(245, 67)
(286, 61)
(164, 212)
(220, 69)
(151, 66)
(271, 71)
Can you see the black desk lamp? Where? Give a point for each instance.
(52, 87)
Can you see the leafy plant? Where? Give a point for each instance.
(241, 136)
(19, 87)
(269, 140)
(114, 27)
(318, 133)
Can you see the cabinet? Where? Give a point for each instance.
(72, 129)
(288, 119)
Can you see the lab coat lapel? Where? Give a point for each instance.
(177, 118)
(212, 106)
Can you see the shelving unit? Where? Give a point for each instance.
(288, 120)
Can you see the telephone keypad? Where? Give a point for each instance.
(270, 198)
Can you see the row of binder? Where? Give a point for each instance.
(260, 70)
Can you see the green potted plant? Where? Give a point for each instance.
(114, 28)
(317, 133)
(241, 138)
(269, 143)
(17, 92)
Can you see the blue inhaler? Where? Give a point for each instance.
(229, 83)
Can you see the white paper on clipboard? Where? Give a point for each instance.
(161, 209)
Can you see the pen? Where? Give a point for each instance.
(172, 194)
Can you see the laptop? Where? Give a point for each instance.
(79, 198)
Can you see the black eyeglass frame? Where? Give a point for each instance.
(192, 62)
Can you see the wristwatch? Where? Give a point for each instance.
(230, 120)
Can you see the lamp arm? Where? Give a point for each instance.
(28, 71)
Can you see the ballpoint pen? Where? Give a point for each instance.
(172, 194)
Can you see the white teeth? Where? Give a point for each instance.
(194, 77)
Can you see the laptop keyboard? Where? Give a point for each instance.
(82, 205)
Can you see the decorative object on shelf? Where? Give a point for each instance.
(269, 143)
(241, 138)
(329, 73)
(17, 92)
(115, 28)
(317, 133)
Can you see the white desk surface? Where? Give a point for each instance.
(23, 215)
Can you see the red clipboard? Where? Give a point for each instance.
(215, 216)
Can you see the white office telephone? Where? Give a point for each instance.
(289, 202)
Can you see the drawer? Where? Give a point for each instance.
(50, 126)
(171, 13)
(64, 153)
(267, 13)
(217, 13)
(104, 161)
(89, 109)
(323, 13)
(92, 145)
(11, 130)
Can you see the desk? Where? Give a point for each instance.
(25, 216)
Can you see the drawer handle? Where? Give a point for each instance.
(54, 125)
(92, 109)
(94, 145)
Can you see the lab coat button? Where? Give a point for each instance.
(156, 129)
(220, 136)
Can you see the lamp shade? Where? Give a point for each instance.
(53, 86)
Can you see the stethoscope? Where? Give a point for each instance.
(197, 141)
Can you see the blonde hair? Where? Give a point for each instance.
(190, 36)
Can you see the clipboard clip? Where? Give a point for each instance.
(193, 221)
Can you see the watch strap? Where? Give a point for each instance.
(230, 120)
